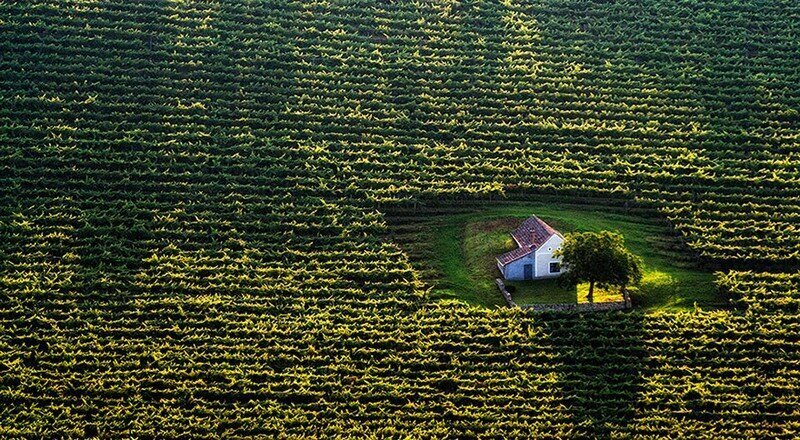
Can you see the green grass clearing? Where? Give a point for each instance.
(464, 248)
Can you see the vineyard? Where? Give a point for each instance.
(195, 198)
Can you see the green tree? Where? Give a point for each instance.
(599, 259)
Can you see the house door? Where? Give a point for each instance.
(527, 271)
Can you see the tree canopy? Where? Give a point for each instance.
(599, 259)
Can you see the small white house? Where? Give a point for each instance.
(533, 259)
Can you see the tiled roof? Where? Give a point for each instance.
(531, 234)
(513, 255)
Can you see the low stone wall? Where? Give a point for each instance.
(581, 307)
(567, 307)
(504, 292)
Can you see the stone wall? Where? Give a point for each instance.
(581, 307)
(504, 292)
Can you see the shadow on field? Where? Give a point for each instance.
(598, 359)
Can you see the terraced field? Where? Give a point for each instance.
(194, 197)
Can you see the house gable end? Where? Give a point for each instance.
(550, 245)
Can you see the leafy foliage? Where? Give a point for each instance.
(599, 258)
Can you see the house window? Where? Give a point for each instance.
(555, 267)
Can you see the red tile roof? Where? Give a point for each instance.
(513, 255)
(531, 234)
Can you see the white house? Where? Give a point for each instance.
(533, 259)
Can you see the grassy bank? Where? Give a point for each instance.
(464, 248)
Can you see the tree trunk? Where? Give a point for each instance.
(590, 296)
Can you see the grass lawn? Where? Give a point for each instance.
(464, 247)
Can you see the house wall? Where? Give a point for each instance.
(515, 270)
(540, 260)
(544, 256)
